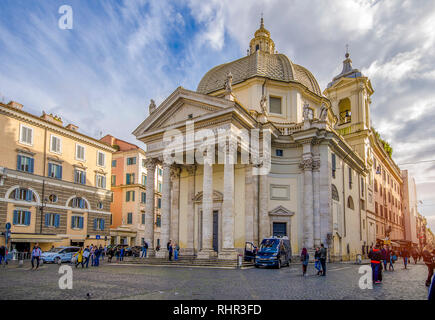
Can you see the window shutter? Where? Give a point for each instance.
(104, 183)
(18, 162)
(17, 194)
(27, 218)
(72, 222)
(127, 196)
(128, 178)
(31, 165)
(60, 172)
(29, 195)
(81, 222)
(83, 178)
(50, 170)
(56, 220)
(81, 203)
(47, 218)
(95, 224)
(102, 224)
(132, 195)
(15, 219)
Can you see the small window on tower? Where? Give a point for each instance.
(275, 105)
(190, 116)
(279, 152)
(257, 47)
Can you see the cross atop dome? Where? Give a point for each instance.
(262, 41)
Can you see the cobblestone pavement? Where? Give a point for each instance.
(110, 281)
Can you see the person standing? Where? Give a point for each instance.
(97, 256)
(176, 249)
(323, 254)
(304, 259)
(317, 263)
(92, 254)
(3, 255)
(384, 256)
(375, 256)
(170, 250)
(79, 255)
(144, 249)
(405, 256)
(121, 254)
(429, 262)
(86, 254)
(36, 255)
(393, 258)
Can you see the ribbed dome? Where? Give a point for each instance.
(259, 64)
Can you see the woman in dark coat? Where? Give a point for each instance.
(304, 259)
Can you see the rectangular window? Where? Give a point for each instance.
(55, 144)
(131, 161)
(275, 105)
(113, 163)
(113, 180)
(350, 178)
(52, 220)
(160, 187)
(129, 218)
(129, 178)
(101, 159)
(144, 180)
(334, 165)
(143, 197)
(159, 203)
(80, 152)
(26, 135)
(158, 221)
(129, 196)
(362, 187)
(25, 163)
(79, 176)
(143, 218)
(77, 222)
(98, 224)
(100, 181)
(55, 170)
(144, 163)
(160, 171)
(279, 152)
(23, 194)
(21, 218)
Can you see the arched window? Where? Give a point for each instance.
(350, 203)
(334, 193)
(344, 111)
(23, 194)
(78, 202)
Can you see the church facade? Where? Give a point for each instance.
(313, 188)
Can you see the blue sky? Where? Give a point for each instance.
(102, 74)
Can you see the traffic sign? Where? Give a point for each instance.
(8, 225)
(98, 237)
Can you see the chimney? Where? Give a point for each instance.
(72, 127)
(53, 119)
(15, 105)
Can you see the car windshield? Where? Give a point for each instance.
(269, 245)
(55, 249)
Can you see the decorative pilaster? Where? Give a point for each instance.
(264, 212)
(228, 251)
(189, 250)
(250, 206)
(166, 211)
(307, 166)
(149, 213)
(316, 190)
(207, 211)
(175, 201)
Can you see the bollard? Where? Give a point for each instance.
(239, 261)
(20, 263)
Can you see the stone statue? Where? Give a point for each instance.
(229, 83)
(152, 107)
(323, 113)
(306, 112)
(263, 104)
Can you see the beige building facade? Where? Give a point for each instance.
(53, 188)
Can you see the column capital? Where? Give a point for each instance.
(191, 169)
(150, 163)
(316, 164)
(175, 172)
(306, 164)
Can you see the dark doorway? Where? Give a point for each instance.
(279, 229)
(216, 231)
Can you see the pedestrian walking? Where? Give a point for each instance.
(104, 252)
(317, 263)
(36, 255)
(176, 250)
(375, 256)
(323, 254)
(86, 254)
(3, 255)
(384, 256)
(428, 259)
(304, 259)
(121, 254)
(79, 256)
(144, 249)
(97, 256)
(405, 256)
(170, 250)
(393, 259)
(431, 296)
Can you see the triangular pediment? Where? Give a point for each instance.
(281, 211)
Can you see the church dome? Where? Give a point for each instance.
(261, 62)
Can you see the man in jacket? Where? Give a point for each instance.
(36, 255)
(3, 254)
(322, 258)
(384, 256)
(428, 260)
(376, 257)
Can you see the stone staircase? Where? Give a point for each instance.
(187, 261)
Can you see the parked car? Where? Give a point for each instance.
(59, 254)
(274, 252)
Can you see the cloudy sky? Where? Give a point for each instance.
(101, 74)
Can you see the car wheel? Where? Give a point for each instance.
(256, 265)
(279, 263)
(57, 260)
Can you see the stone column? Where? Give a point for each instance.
(175, 203)
(149, 209)
(264, 203)
(316, 204)
(165, 211)
(307, 166)
(189, 250)
(207, 211)
(228, 251)
(250, 206)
